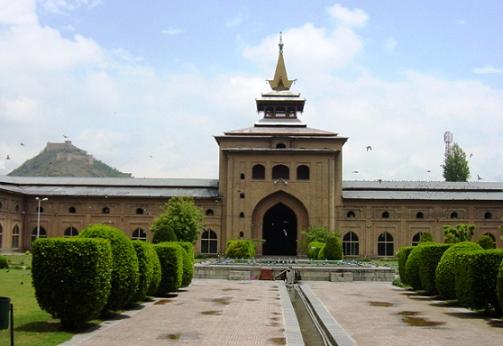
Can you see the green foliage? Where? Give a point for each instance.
(240, 248)
(426, 237)
(315, 233)
(403, 254)
(171, 258)
(72, 278)
(476, 279)
(445, 278)
(486, 242)
(455, 165)
(314, 248)
(458, 234)
(156, 271)
(162, 231)
(412, 267)
(145, 268)
(125, 274)
(429, 257)
(188, 262)
(499, 285)
(4, 264)
(332, 249)
(181, 217)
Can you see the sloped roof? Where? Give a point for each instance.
(278, 130)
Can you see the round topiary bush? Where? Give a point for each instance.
(156, 270)
(429, 257)
(313, 249)
(412, 268)
(145, 268)
(162, 233)
(125, 274)
(171, 258)
(188, 262)
(72, 277)
(499, 285)
(333, 248)
(445, 278)
(486, 242)
(403, 254)
(4, 264)
(240, 248)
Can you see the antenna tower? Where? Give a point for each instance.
(448, 138)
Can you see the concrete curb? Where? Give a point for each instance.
(292, 329)
(339, 334)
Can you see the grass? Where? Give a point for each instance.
(32, 326)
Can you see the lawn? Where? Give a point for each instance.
(32, 326)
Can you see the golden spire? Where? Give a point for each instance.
(280, 81)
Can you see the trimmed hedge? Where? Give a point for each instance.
(171, 258)
(72, 277)
(430, 256)
(188, 262)
(314, 248)
(499, 285)
(487, 242)
(445, 278)
(332, 249)
(412, 267)
(3, 263)
(403, 254)
(145, 268)
(476, 278)
(240, 248)
(156, 270)
(125, 274)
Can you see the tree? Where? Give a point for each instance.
(316, 233)
(455, 165)
(462, 232)
(180, 217)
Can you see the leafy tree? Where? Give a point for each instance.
(455, 165)
(462, 232)
(180, 217)
(318, 234)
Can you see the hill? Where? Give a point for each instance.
(65, 160)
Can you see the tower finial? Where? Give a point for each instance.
(280, 81)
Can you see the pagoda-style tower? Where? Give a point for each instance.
(279, 176)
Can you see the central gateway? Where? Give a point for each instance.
(280, 231)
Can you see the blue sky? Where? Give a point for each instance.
(130, 80)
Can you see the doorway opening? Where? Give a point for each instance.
(279, 231)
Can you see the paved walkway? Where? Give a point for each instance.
(377, 313)
(210, 312)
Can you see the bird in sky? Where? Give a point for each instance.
(7, 157)
(369, 148)
(65, 136)
(428, 170)
(21, 144)
(471, 155)
(479, 177)
(356, 172)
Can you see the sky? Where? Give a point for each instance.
(145, 85)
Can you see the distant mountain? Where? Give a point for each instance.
(65, 160)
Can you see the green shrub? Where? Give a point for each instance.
(4, 264)
(314, 233)
(403, 254)
(156, 270)
(458, 234)
(412, 268)
(426, 237)
(499, 286)
(125, 274)
(445, 278)
(333, 248)
(188, 263)
(486, 242)
(171, 258)
(145, 269)
(240, 248)
(162, 233)
(429, 257)
(476, 278)
(314, 248)
(72, 278)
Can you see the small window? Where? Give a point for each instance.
(419, 215)
(208, 242)
(454, 215)
(350, 244)
(39, 210)
(385, 215)
(139, 234)
(280, 172)
(241, 234)
(72, 210)
(303, 172)
(385, 246)
(242, 176)
(350, 214)
(242, 195)
(140, 211)
(258, 172)
(71, 232)
(209, 212)
(488, 215)
(241, 215)
(280, 146)
(105, 210)
(17, 207)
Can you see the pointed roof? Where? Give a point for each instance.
(280, 81)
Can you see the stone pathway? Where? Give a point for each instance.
(210, 312)
(377, 313)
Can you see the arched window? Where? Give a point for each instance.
(385, 244)
(71, 232)
(280, 172)
(303, 172)
(241, 215)
(385, 215)
(258, 172)
(105, 210)
(350, 244)
(419, 215)
(416, 239)
(1, 235)
(350, 214)
(139, 234)
(209, 212)
(140, 211)
(280, 146)
(454, 215)
(208, 242)
(15, 237)
(42, 233)
(72, 210)
(491, 236)
(488, 215)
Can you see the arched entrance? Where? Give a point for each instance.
(279, 231)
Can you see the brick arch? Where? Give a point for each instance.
(272, 200)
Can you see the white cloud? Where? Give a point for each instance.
(390, 44)
(18, 12)
(66, 6)
(172, 31)
(487, 69)
(347, 17)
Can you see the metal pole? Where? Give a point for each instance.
(12, 325)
